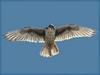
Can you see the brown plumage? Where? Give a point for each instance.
(49, 35)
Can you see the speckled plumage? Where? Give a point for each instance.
(49, 36)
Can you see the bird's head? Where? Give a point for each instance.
(51, 26)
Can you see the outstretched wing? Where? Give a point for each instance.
(72, 31)
(26, 34)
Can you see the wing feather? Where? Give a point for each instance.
(26, 34)
(72, 31)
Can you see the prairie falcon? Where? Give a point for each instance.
(49, 36)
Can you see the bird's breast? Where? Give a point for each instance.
(50, 36)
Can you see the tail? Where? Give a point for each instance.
(49, 50)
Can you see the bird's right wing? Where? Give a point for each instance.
(26, 34)
(72, 31)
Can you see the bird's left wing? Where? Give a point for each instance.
(26, 34)
(72, 31)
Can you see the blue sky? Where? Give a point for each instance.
(76, 55)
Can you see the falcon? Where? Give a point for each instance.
(49, 35)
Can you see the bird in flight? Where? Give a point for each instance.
(49, 35)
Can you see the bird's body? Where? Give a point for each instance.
(49, 35)
(50, 47)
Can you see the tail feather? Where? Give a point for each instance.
(49, 51)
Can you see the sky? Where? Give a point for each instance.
(76, 55)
